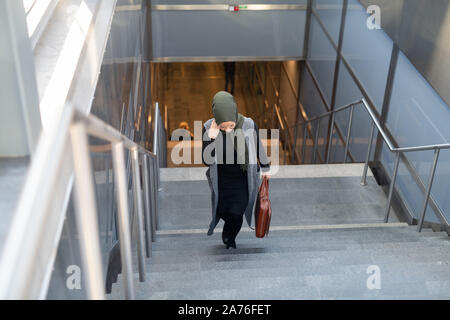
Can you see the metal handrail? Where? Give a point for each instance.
(278, 111)
(326, 114)
(319, 117)
(20, 257)
(379, 127)
(397, 150)
(276, 108)
(287, 128)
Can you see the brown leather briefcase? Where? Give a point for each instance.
(263, 212)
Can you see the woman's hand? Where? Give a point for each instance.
(213, 130)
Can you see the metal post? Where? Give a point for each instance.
(316, 141)
(428, 191)
(139, 209)
(330, 138)
(392, 186)
(349, 131)
(369, 150)
(329, 143)
(156, 129)
(108, 198)
(147, 215)
(123, 218)
(305, 131)
(155, 181)
(294, 145)
(286, 140)
(152, 196)
(86, 214)
(157, 176)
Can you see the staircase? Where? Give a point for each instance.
(326, 231)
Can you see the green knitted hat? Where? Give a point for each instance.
(225, 109)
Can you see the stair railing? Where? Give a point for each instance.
(308, 128)
(275, 111)
(160, 140)
(21, 263)
(396, 150)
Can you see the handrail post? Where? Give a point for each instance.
(153, 195)
(305, 131)
(123, 218)
(86, 213)
(294, 144)
(157, 175)
(286, 138)
(369, 150)
(156, 146)
(155, 181)
(138, 207)
(392, 186)
(316, 141)
(428, 191)
(347, 141)
(155, 132)
(330, 138)
(147, 209)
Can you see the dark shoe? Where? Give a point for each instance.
(231, 243)
(225, 237)
(225, 233)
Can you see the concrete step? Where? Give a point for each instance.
(357, 235)
(308, 195)
(326, 231)
(302, 282)
(330, 264)
(305, 252)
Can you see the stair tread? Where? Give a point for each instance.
(325, 260)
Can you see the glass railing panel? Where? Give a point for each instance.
(101, 157)
(67, 280)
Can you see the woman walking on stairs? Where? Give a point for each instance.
(234, 180)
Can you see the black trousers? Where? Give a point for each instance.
(233, 224)
(233, 200)
(233, 196)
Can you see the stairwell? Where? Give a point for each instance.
(327, 236)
